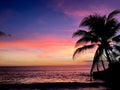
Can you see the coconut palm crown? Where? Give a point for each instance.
(102, 31)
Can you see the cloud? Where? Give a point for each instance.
(41, 41)
(44, 46)
(101, 9)
(47, 50)
(48, 44)
(79, 9)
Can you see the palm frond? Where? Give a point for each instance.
(92, 20)
(95, 23)
(79, 33)
(112, 27)
(112, 14)
(78, 50)
(82, 40)
(114, 30)
(117, 47)
(86, 40)
(101, 29)
(115, 54)
(116, 38)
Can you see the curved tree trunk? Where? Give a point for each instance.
(96, 59)
(98, 53)
(103, 64)
(93, 62)
(108, 57)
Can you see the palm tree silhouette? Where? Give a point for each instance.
(102, 31)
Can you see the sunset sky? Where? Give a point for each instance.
(42, 30)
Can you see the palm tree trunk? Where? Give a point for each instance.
(91, 71)
(107, 54)
(103, 64)
(98, 67)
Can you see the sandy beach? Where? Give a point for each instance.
(57, 85)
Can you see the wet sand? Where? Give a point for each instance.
(57, 85)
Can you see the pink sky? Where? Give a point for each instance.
(42, 30)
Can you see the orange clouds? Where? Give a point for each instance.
(49, 42)
(42, 51)
(45, 51)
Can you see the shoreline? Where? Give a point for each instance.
(53, 85)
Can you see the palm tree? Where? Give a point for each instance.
(102, 32)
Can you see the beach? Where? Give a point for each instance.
(48, 77)
(57, 85)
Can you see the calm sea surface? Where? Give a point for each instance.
(44, 74)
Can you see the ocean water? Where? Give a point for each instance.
(44, 74)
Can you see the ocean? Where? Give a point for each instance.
(45, 74)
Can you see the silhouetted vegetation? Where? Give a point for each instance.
(103, 32)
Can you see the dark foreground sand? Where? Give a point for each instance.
(51, 86)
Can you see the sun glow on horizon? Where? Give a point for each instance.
(49, 51)
(41, 31)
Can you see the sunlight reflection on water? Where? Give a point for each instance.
(44, 74)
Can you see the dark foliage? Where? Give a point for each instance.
(102, 30)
